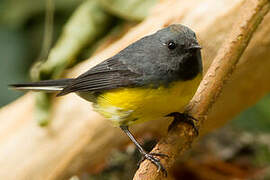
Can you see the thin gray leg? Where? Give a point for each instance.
(149, 156)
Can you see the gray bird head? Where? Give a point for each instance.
(170, 54)
(181, 35)
(181, 51)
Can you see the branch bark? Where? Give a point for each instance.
(76, 133)
(181, 136)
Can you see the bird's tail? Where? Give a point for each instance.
(46, 85)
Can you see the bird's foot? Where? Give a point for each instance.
(156, 161)
(150, 156)
(184, 117)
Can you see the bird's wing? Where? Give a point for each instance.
(109, 74)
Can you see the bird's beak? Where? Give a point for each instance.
(195, 46)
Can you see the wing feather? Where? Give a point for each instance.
(109, 74)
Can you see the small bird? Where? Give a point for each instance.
(154, 77)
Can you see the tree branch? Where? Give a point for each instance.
(181, 136)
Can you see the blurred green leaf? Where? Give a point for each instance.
(42, 108)
(87, 23)
(256, 118)
(15, 13)
(13, 54)
(129, 9)
(262, 157)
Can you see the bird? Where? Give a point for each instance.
(153, 77)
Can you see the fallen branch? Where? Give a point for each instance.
(181, 135)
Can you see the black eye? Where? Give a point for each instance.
(171, 45)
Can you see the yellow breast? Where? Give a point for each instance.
(125, 106)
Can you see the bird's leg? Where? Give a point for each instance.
(149, 156)
(183, 117)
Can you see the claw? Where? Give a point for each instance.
(159, 154)
(149, 156)
(156, 161)
(184, 117)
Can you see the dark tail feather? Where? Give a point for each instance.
(46, 85)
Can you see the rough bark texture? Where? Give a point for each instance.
(180, 136)
(78, 136)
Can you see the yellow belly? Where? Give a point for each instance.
(126, 106)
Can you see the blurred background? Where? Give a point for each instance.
(239, 150)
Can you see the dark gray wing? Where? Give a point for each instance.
(109, 74)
